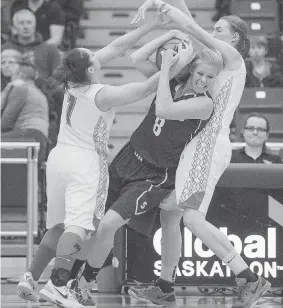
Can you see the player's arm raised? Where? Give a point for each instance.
(188, 25)
(195, 108)
(140, 58)
(124, 43)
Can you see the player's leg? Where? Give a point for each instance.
(120, 213)
(55, 218)
(79, 173)
(219, 243)
(138, 196)
(114, 190)
(68, 249)
(171, 244)
(45, 252)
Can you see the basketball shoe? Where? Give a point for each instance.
(250, 292)
(80, 290)
(27, 288)
(61, 296)
(161, 293)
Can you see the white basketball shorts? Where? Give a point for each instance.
(73, 178)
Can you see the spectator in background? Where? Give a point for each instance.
(260, 71)
(50, 18)
(9, 65)
(25, 109)
(255, 134)
(45, 57)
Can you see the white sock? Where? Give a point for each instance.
(237, 265)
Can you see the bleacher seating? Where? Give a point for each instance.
(262, 16)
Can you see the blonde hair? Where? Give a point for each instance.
(210, 57)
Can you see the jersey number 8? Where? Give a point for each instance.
(159, 123)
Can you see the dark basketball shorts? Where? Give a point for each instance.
(136, 188)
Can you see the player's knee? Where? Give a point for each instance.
(170, 219)
(111, 222)
(192, 219)
(80, 231)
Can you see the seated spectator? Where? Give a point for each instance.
(25, 109)
(9, 65)
(260, 71)
(255, 134)
(45, 57)
(50, 19)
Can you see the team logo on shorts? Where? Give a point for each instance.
(142, 204)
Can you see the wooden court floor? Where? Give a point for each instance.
(9, 299)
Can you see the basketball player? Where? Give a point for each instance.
(203, 162)
(77, 169)
(143, 172)
(47, 248)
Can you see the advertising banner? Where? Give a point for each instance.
(251, 218)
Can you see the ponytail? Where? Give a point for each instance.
(62, 76)
(244, 48)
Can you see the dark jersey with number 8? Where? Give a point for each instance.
(161, 141)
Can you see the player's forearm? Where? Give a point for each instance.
(125, 42)
(148, 49)
(164, 98)
(151, 84)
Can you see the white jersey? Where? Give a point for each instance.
(82, 123)
(226, 94)
(207, 156)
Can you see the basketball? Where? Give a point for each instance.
(168, 45)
